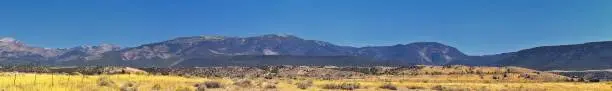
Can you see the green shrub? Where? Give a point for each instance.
(208, 84)
(269, 85)
(343, 86)
(388, 86)
(75, 73)
(201, 87)
(156, 87)
(415, 87)
(243, 83)
(105, 81)
(213, 84)
(130, 86)
(438, 88)
(444, 88)
(186, 89)
(304, 84)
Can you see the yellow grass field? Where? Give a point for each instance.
(62, 82)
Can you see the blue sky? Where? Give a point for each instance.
(476, 27)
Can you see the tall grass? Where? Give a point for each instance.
(65, 82)
(62, 82)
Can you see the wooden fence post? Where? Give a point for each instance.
(52, 81)
(15, 79)
(35, 78)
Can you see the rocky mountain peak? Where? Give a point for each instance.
(12, 48)
(101, 47)
(8, 43)
(415, 53)
(427, 44)
(108, 46)
(277, 36)
(87, 52)
(213, 37)
(218, 46)
(205, 49)
(7, 39)
(435, 47)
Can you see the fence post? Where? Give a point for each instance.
(15, 79)
(52, 83)
(82, 78)
(68, 81)
(35, 79)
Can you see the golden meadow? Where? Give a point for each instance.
(144, 82)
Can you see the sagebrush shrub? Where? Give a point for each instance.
(343, 86)
(156, 87)
(269, 85)
(415, 87)
(130, 86)
(388, 86)
(105, 81)
(304, 84)
(213, 84)
(243, 83)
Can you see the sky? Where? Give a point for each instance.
(476, 27)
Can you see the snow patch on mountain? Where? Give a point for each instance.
(7, 39)
(269, 52)
(284, 35)
(215, 52)
(321, 43)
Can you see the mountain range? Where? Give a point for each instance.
(275, 49)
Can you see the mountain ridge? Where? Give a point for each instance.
(224, 49)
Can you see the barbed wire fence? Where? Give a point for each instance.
(72, 81)
(36, 78)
